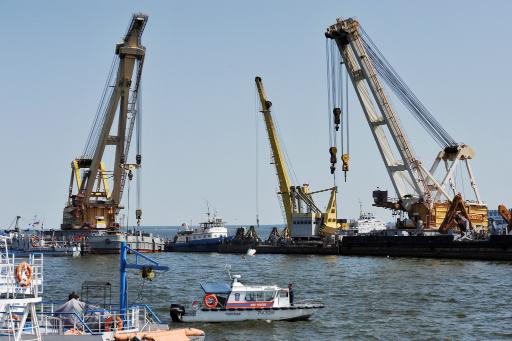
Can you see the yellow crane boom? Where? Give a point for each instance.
(277, 154)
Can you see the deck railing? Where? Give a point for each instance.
(89, 321)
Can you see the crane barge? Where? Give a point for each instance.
(97, 199)
(426, 199)
(95, 192)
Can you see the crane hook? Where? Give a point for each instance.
(337, 118)
(333, 151)
(345, 158)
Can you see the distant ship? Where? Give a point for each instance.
(367, 223)
(204, 238)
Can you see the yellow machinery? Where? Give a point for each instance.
(424, 195)
(93, 203)
(303, 217)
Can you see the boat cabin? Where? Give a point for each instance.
(220, 295)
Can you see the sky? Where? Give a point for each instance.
(200, 120)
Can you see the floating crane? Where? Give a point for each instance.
(303, 217)
(97, 199)
(425, 198)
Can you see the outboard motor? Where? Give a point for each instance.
(177, 311)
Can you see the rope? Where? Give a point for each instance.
(140, 294)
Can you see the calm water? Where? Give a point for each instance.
(365, 298)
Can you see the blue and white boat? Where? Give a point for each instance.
(204, 238)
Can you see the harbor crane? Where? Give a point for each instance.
(425, 197)
(97, 199)
(303, 217)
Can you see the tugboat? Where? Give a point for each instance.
(205, 238)
(238, 302)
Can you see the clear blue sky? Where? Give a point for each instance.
(199, 97)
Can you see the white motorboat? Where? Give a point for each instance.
(238, 302)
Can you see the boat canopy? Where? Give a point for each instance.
(216, 287)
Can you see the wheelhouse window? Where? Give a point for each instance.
(283, 293)
(259, 296)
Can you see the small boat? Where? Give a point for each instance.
(238, 302)
(204, 238)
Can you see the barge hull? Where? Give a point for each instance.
(495, 248)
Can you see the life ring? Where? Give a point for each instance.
(24, 274)
(110, 321)
(211, 301)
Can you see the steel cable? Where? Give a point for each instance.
(405, 94)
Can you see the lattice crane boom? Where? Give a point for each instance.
(419, 192)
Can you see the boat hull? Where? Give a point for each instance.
(293, 313)
(206, 245)
(111, 243)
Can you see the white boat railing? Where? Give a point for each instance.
(20, 290)
(94, 321)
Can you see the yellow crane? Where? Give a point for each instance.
(303, 217)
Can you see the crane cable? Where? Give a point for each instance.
(336, 115)
(257, 151)
(94, 133)
(138, 147)
(405, 94)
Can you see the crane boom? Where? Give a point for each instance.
(129, 51)
(278, 156)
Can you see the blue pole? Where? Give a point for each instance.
(123, 294)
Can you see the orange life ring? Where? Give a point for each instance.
(24, 274)
(211, 301)
(110, 321)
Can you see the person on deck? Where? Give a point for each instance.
(291, 293)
